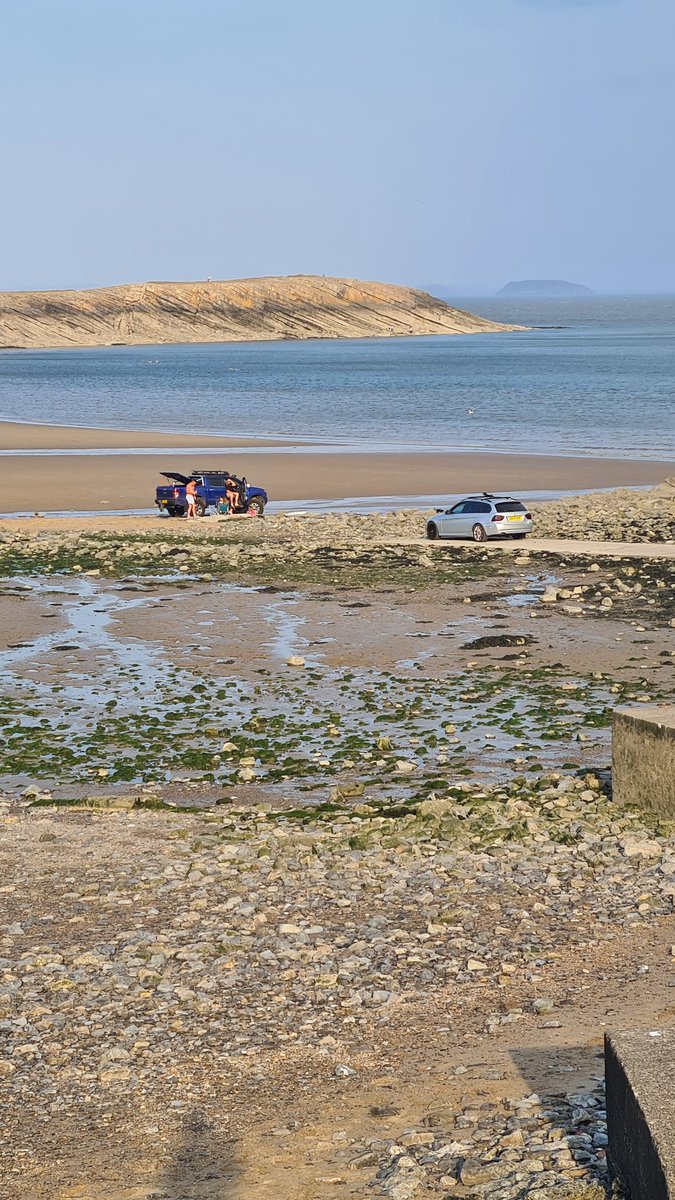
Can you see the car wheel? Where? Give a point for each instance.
(432, 531)
(518, 537)
(478, 534)
(200, 506)
(256, 505)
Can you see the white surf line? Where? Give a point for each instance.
(165, 451)
(323, 448)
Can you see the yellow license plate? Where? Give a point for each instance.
(515, 518)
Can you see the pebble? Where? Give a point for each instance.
(187, 936)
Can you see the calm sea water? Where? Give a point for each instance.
(597, 376)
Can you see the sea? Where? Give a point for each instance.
(591, 376)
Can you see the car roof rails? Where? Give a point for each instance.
(489, 496)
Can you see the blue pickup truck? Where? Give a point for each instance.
(211, 489)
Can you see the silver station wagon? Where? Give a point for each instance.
(481, 517)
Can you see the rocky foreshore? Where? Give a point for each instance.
(621, 515)
(343, 551)
(214, 543)
(522, 1148)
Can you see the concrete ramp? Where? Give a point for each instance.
(643, 757)
(640, 1081)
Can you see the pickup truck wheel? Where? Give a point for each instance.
(172, 511)
(200, 506)
(256, 505)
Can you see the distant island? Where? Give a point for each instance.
(283, 307)
(538, 288)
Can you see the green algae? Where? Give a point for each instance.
(495, 716)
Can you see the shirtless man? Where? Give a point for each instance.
(191, 497)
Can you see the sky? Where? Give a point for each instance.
(461, 143)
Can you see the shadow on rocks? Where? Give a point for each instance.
(202, 1166)
(565, 1117)
(539, 1136)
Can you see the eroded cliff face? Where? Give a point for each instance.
(296, 306)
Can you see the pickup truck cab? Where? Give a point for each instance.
(211, 489)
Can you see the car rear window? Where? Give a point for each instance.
(510, 506)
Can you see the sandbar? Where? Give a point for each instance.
(17, 435)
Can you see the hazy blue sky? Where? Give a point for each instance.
(460, 141)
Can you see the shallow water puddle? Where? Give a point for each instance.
(287, 641)
(411, 663)
(532, 594)
(87, 632)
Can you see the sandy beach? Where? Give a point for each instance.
(15, 435)
(82, 480)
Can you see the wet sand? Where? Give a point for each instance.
(15, 435)
(83, 482)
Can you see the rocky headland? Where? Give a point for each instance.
(270, 308)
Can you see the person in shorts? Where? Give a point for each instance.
(191, 498)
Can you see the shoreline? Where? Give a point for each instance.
(88, 483)
(38, 438)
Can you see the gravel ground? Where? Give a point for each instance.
(152, 961)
